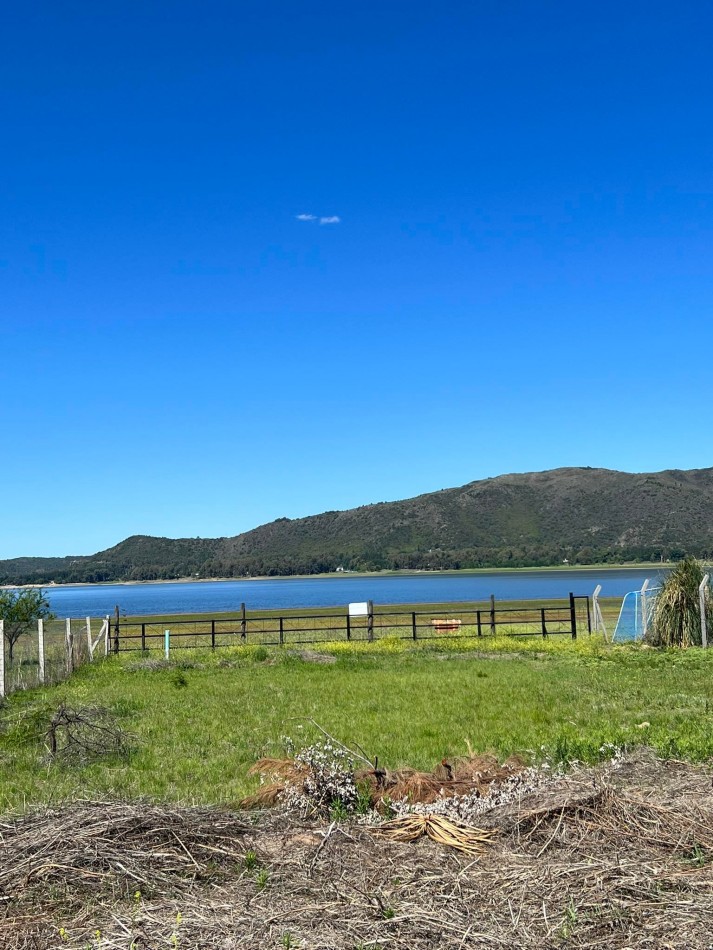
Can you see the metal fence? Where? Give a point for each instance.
(52, 650)
(271, 629)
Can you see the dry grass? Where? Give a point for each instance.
(459, 776)
(281, 774)
(614, 857)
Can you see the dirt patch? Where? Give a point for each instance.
(484, 655)
(620, 856)
(313, 656)
(158, 665)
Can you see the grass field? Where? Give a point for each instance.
(299, 626)
(199, 723)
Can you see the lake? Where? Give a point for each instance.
(339, 590)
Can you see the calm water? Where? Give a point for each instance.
(338, 591)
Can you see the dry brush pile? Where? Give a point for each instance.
(612, 857)
(321, 778)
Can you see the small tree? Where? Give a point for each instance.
(676, 618)
(20, 609)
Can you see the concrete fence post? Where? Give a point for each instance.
(2, 658)
(69, 644)
(702, 600)
(41, 651)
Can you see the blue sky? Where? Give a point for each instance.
(519, 278)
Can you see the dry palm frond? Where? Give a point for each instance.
(454, 835)
(466, 775)
(414, 786)
(460, 776)
(676, 619)
(278, 774)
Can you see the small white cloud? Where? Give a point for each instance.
(332, 219)
(306, 217)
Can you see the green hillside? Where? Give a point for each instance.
(582, 514)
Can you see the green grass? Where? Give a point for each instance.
(198, 728)
(300, 626)
(304, 625)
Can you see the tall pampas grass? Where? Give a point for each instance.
(676, 617)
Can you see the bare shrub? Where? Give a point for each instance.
(84, 734)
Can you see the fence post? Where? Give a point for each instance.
(69, 643)
(106, 635)
(143, 637)
(599, 626)
(413, 625)
(41, 650)
(543, 622)
(702, 601)
(243, 622)
(116, 629)
(370, 620)
(573, 616)
(282, 633)
(479, 622)
(492, 614)
(2, 658)
(212, 634)
(644, 609)
(89, 638)
(349, 625)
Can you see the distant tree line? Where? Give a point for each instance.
(269, 565)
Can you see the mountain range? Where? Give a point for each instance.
(582, 515)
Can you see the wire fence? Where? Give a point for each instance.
(49, 651)
(635, 615)
(52, 650)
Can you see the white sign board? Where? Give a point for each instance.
(359, 610)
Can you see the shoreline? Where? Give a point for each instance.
(341, 575)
